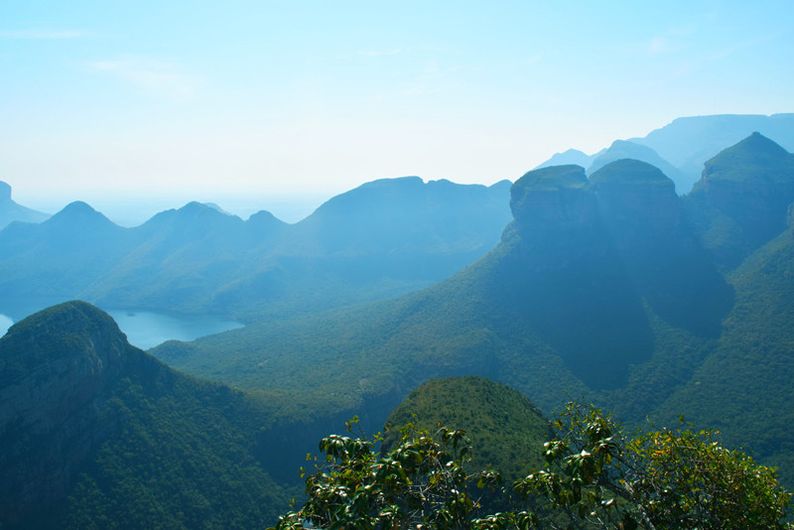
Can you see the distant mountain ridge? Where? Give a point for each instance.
(10, 211)
(681, 147)
(380, 239)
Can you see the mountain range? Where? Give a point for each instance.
(596, 281)
(611, 289)
(681, 148)
(383, 238)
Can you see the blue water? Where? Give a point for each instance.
(146, 329)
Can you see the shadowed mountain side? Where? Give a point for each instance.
(665, 260)
(562, 277)
(95, 434)
(742, 199)
(10, 211)
(744, 387)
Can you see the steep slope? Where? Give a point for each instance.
(95, 434)
(506, 431)
(744, 387)
(10, 211)
(742, 198)
(621, 149)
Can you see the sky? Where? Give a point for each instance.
(277, 102)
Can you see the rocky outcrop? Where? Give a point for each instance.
(667, 263)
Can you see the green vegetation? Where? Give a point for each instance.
(507, 430)
(603, 291)
(595, 478)
(105, 436)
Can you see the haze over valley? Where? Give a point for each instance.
(295, 265)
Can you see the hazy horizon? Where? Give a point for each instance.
(280, 99)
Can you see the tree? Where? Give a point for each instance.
(595, 478)
(662, 479)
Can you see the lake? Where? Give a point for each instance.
(146, 329)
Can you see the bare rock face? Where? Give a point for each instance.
(555, 197)
(53, 367)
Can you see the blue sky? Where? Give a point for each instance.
(221, 99)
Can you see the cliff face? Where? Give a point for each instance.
(54, 367)
(667, 263)
(585, 257)
(555, 217)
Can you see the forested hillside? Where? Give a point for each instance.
(97, 434)
(606, 289)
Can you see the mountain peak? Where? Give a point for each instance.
(568, 157)
(70, 350)
(628, 172)
(78, 209)
(265, 218)
(74, 320)
(755, 149)
(552, 196)
(200, 207)
(757, 142)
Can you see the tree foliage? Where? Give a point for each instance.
(595, 477)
